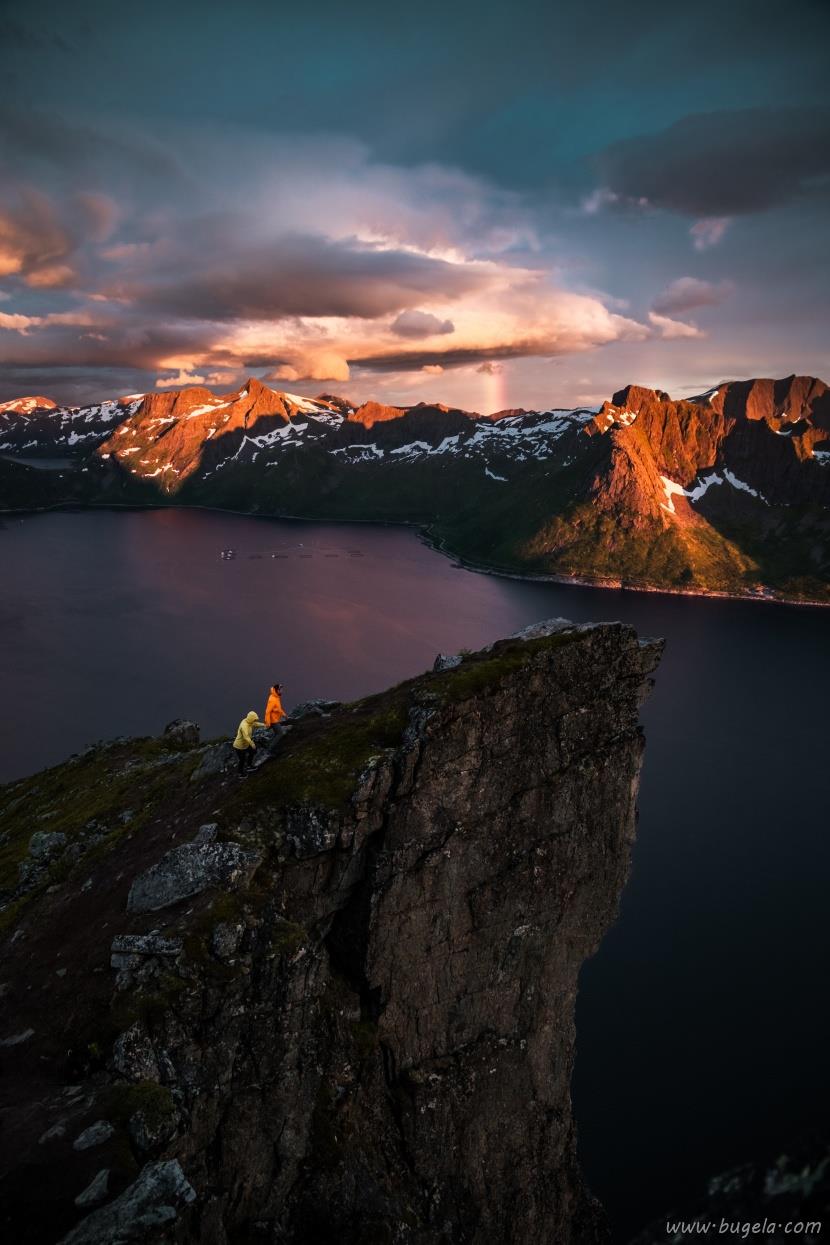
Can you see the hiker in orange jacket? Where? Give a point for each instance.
(274, 712)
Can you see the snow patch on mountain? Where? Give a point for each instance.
(703, 484)
(25, 406)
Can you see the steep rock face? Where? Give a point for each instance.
(728, 492)
(371, 1039)
(785, 401)
(371, 413)
(764, 432)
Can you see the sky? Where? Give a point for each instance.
(490, 205)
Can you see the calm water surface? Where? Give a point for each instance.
(703, 1021)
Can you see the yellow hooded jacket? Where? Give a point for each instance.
(244, 739)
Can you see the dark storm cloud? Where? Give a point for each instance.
(105, 343)
(453, 357)
(416, 323)
(298, 276)
(723, 163)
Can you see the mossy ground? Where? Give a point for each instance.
(148, 1006)
(120, 1103)
(132, 776)
(320, 761)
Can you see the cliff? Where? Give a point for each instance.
(334, 1000)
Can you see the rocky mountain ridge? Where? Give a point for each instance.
(726, 492)
(333, 1000)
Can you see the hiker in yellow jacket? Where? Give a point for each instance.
(274, 712)
(244, 742)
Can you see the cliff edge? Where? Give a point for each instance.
(333, 1001)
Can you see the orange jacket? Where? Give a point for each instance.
(274, 710)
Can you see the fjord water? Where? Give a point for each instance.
(702, 1022)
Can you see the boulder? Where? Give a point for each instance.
(447, 661)
(127, 949)
(214, 760)
(207, 833)
(156, 1198)
(181, 733)
(314, 708)
(17, 1039)
(96, 1190)
(95, 1135)
(188, 870)
(133, 1055)
(45, 844)
(548, 626)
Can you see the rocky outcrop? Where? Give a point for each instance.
(141, 1212)
(181, 733)
(372, 1038)
(188, 870)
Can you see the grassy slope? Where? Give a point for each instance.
(85, 798)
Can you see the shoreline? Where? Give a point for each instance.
(424, 533)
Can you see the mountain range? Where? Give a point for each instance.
(724, 492)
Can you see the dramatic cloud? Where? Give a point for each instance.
(217, 278)
(195, 232)
(416, 323)
(392, 270)
(718, 164)
(686, 293)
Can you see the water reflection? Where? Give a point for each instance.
(702, 1023)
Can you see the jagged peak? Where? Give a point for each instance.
(634, 396)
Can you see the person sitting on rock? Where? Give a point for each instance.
(274, 712)
(244, 742)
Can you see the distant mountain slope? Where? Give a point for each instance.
(37, 426)
(725, 492)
